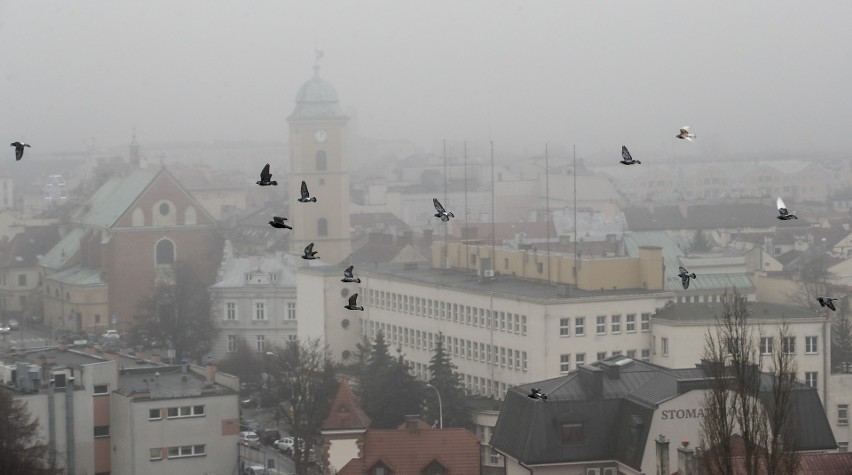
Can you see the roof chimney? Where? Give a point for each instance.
(210, 371)
(662, 455)
(591, 379)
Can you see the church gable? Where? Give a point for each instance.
(164, 203)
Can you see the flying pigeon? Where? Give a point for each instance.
(278, 222)
(353, 304)
(827, 302)
(442, 213)
(347, 276)
(626, 159)
(536, 393)
(19, 149)
(306, 197)
(783, 214)
(266, 177)
(684, 133)
(685, 276)
(310, 254)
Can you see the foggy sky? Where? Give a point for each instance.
(750, 77)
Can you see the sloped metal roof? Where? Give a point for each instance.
(78, 275)
(113, 199)
(57, 256)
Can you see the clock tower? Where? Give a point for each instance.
(318, 156)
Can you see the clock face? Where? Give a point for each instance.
(320, 135)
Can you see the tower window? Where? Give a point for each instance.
(165, 253)
(321, 160)
(322, 227)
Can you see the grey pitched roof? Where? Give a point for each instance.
(616, 422)
(27, 247)
(64, 250)
(707, 312)
(114, 197)
(717, 216)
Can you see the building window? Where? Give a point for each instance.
(631, 354)
(184, 411)
(564, 363)
(187, 451)
(321, 161)
(665, 342)
(322, 227)
(571, 434)
(646, 322)
(154, 414)
(164, 209)
(100, 389)
(155, 454)
(601, 324)
(579, 358)
(260, 311)
(843, 414)
(291, 310)
(646, 355)
(788, 345)
(232, 343)
(601, 355)
(579, 326)
(616, 323)
(843, 446)
(101, 431)
(165, 252)
(766, 345)
(539, 267)
(230, 310)
(22, 280)
(630, 323)
(564, 327)
(261, 339)
(811, 379)
(810, 345)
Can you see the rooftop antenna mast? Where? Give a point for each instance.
(547, 205)
(447, 206)
(491, 318)
(576, 244)
(466, 231)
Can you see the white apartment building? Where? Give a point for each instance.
(254, 300)
(837, 408)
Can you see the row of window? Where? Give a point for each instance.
(176, 412)
(259, 313)
(159, 453)
(473, 385)
(788, 345)
(259, 342)
(458, 347)
(580, 358)
(601, 324)
(456, 313)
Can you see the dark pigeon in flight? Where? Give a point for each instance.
(278, 222)
(266, 177)
(684, 133)
(348, 277)
(310, 254)
(19, 149)
(306, 197)
(827, 302)
(685, 276)
(626, 158)
(783, 214)
(536, 393)
(353, 304)
(441, 212)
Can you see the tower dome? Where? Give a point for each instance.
(317, 99)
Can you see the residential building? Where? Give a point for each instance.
(837, 407)
(415, 447)
(601, 418)
(20, 274)
(343, 428)
(254, 300)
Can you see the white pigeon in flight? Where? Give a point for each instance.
(684, 134)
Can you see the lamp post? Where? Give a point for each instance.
(440, 406)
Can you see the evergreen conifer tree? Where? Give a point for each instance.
(446, 380)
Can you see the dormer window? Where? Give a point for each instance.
(435, 468)
(273, 276)
(248, 276)
(380, 469)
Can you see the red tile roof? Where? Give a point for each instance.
(345, 411)
(410, 448)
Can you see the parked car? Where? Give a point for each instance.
(249, 439)
(284, 445)
(4, 329)
(111, 335)
(258, 399)
(269, 436)
(13, 324)
(250, 425)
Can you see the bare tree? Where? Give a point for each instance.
(301, 376)
(744, 399)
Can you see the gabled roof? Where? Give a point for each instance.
(345, 412)
(411, 447)
(63, 251)
(27, 247)
(616, 399)
(114, 197)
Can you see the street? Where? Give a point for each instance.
(26, 336)
(261, 456)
